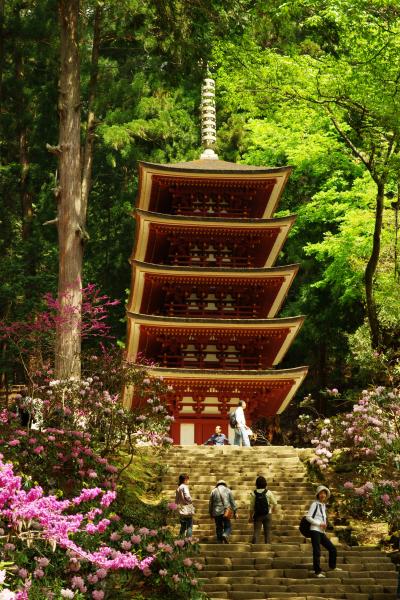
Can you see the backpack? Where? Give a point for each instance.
(232, 419)
(305, 526)
(261, 506)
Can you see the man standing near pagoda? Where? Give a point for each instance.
(241, 429)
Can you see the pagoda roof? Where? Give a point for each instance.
(283, 383)
(224, 323)
(158, 181)
(147, 278)
(219, 221)
(214, 166)
(281, 332)
(216, 271)
(153, 226)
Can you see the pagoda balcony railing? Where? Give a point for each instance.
(251, 353)
(229, 360)
(206, 205)
(208, 254)
(226, 310)
(212, 301)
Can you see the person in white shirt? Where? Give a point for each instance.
(316, 516)
(241, 429)
(185, 506)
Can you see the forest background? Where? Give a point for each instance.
(310, 83)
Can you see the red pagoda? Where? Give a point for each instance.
(205, 292)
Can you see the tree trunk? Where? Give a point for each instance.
(2, 27)
(26, 197)
(87, 161)
(372, 266)
(70, 215)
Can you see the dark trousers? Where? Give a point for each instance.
(186, 525)
(319, 539)
(223, 527)
(265, 523)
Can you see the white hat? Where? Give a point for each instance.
(221, 482)
(322, 488)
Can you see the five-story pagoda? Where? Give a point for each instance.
(205, 292)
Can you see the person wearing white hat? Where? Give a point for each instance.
(316, 516)
(222, 507)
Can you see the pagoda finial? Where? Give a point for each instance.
(208, 119)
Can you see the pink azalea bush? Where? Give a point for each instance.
(71, 524)
(362, 445)
(87, 541)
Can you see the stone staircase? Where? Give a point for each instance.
(283, 569)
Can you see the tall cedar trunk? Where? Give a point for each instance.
(372, 266)
(2, 15)
(70, 215)
(26, 196)
(87, 159)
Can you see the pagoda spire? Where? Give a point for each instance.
(208, 119)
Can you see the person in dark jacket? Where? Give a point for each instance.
(217, 439)
(221, 498)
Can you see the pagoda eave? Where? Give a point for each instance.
(155, 232)
(149, 282)
(216, 271)
(230, 342)
(214, 167)
(268, 392)
(157, 183)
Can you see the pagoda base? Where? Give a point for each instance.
(201, 400)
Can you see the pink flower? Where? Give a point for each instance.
(78, 583)
(179, 543)
(38, 449)
(42, 562)
(101, 573)
(163, 572)
(136, 539)
(125, 545)
(9, 547)
(114, 537)
(348, 485)
(67, 593)
(386, 499)
(144, 531)
(187, 562)
(97, 594)
(23, 573)
(108, 498)
(172, 506)
(193, 581)
(38, 573)
(128, 529)
(176, 578)
(14, 443)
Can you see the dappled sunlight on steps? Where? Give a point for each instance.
(282, 569)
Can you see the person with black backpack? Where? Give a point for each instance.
(317, 518)
(262, 503)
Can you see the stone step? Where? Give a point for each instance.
(282, 569)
